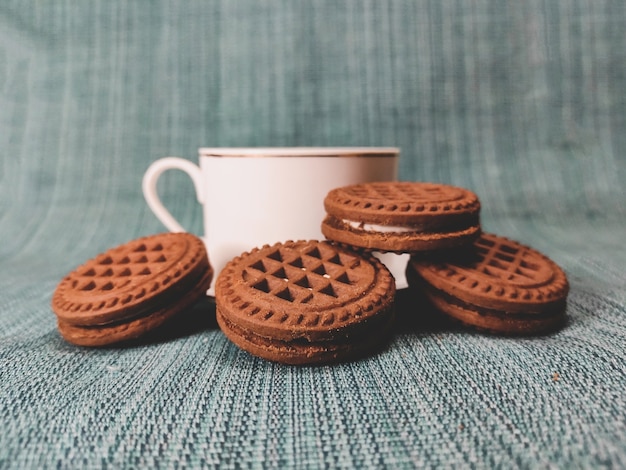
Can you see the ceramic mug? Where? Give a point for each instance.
(256, 196)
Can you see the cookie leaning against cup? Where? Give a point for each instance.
(305, 302)
(499, 286)
(128, 291)
(402, 217)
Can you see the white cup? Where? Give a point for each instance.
(257, 196)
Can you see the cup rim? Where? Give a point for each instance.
(299, 151)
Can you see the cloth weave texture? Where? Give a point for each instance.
(522, 102)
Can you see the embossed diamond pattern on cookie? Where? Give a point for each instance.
(125, 276)
(499, 261)
(402, 197)
(118, 271)
(505, 261)
(320, 273)
(130, 270)
(501, 268)
(398, 192)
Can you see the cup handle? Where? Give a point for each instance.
(149, 187)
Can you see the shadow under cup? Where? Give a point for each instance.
(256, 196)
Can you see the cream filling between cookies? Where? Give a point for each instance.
(378, 228)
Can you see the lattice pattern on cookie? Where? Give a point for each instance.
(117, 270)
(114, 271)
(405, 197)
(320, 272)
(510, 262)
(126, 275)
(304, 284)
(503, 268)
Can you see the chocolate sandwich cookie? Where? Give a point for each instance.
(498, 285)
(128, 291)
(401, 217)
(305, 302)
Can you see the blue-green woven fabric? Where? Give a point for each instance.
(523, 102)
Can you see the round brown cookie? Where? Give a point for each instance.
(499, 285)
(131, 289)
(402, 216)
(305, 302)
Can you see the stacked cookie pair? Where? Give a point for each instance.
(482, 280)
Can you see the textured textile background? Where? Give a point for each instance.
(521, 101)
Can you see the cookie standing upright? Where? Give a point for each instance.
(402, 216)
(499, 286)
(305, 302)
(128, 291)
